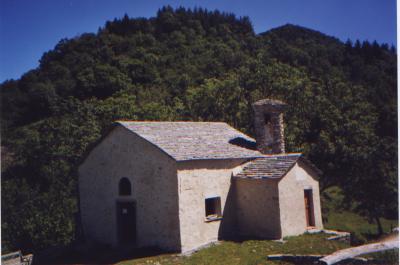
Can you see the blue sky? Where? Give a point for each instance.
(28, 28)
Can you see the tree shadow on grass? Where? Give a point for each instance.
(100, 255)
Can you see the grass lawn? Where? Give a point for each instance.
(351, 222)
(337, 218)
(247, 252)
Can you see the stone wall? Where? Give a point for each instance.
(269, 127)
(291, 200)
(154, 189)
(198, 180)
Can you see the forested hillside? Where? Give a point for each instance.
(202, 66)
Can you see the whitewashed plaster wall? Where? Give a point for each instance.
(199, 180)
(291, 200)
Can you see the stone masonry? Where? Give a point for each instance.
(268, 125)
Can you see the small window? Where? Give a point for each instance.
(125, 187)
(213, 208)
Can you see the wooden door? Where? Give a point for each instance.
(126, 222)
(308, 201)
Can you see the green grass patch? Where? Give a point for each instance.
(338, 217)
(363, 230)
(386, 257)
(248, 252)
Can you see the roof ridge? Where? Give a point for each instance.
(282, 154)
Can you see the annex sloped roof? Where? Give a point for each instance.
(195, 140)
(269, 167)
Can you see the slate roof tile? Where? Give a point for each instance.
(270, 166)
(195, 140)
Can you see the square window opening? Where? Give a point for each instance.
(213, 208)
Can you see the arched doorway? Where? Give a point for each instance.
(126, 215)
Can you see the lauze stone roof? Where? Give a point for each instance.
(271, 166)
(195, 140)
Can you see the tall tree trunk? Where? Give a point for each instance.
(378, 222)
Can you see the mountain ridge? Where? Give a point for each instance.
(194, 65)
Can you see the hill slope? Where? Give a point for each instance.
(193, 65)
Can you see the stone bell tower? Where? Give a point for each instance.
(268, 125)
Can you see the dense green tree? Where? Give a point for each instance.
(194, 65)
